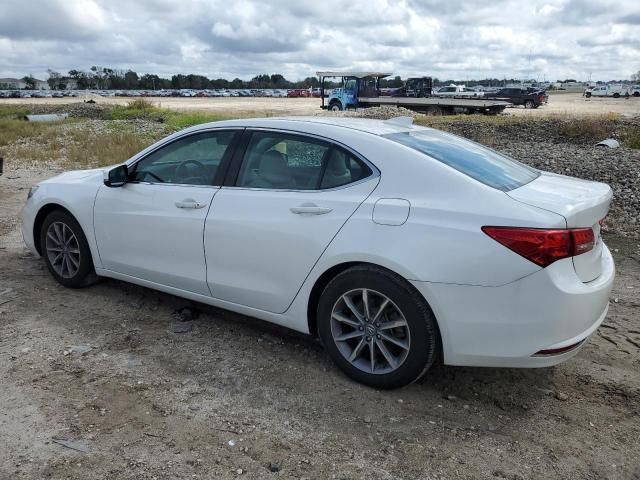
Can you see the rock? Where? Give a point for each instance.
(239, 471)
(274, 467)
(81, 349)
(563, 397)
(186, 314)
(182, 327)
(451, 397)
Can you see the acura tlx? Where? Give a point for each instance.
(395, 244)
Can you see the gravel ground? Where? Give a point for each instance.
(234, 397)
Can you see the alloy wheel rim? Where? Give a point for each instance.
(370, 331)
(63, 250)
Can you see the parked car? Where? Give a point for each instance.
(519, 96)
(395, 244)
(615, 91)
(456, 91)
(635, 90)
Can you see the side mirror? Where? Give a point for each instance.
(117, 176)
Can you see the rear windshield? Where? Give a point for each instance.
(470, 158)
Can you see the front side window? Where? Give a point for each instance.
(284, 161)
(483, 164)
(192, 160)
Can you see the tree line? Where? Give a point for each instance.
(105, 78)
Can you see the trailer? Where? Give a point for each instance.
(362, 90)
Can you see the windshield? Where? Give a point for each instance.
(483, 164)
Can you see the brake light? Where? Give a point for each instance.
(543, 246)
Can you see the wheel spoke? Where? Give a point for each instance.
(56, 258)
(365, 302)
(341, 318)
(393, 324)
(372, 355)
(74, 250)
(58, 232)
(53, 238)
(383, 305)
(75, 262)
(54, 249)
(395, 341)
(387, 354)
(349, 336)
(67, 264)
(357, 350)
(349, 303)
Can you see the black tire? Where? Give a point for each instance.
(616, 95)
(588, 94)
(636, 94)
(335, 107)
(85, 274)
(529, 104)
(424, 339)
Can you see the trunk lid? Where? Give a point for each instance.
(581, 202)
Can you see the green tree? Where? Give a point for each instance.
(30, 82)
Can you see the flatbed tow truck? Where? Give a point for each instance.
(362, 90)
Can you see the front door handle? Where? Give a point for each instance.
(190, 203)
(310, 209)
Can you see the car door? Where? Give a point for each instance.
(152, 227)
(287, 198)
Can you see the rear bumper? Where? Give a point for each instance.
(506, 326)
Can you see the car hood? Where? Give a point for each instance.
(74, 176)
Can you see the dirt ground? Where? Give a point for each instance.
(559, 103)
(238, 398)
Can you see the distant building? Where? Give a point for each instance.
(19, 84)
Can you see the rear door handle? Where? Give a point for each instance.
(190, 203)
(310, 209)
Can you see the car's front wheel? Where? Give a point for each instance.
(66, 251)
(377, 328)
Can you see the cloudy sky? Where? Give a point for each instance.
(459, 39)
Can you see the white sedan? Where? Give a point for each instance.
(395, 244)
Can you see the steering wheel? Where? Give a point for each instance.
(183, 173)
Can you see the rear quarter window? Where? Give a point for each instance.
(480, 163)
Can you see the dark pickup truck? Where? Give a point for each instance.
(519, 96)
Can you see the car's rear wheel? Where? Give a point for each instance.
(529, 104)
(377, 328)
(66, 251)
(335, 107)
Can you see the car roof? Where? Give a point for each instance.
(306, 124)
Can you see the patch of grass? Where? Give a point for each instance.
(587, 129)
(139, 108)
(631, 138)
(13, 112)
(12, 130)
(102, 149)
(179, 120)
(174, 120)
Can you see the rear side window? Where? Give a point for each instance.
(281, 161)
(481, 163)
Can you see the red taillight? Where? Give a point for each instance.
(543, 246)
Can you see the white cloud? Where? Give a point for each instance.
(222, 38)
